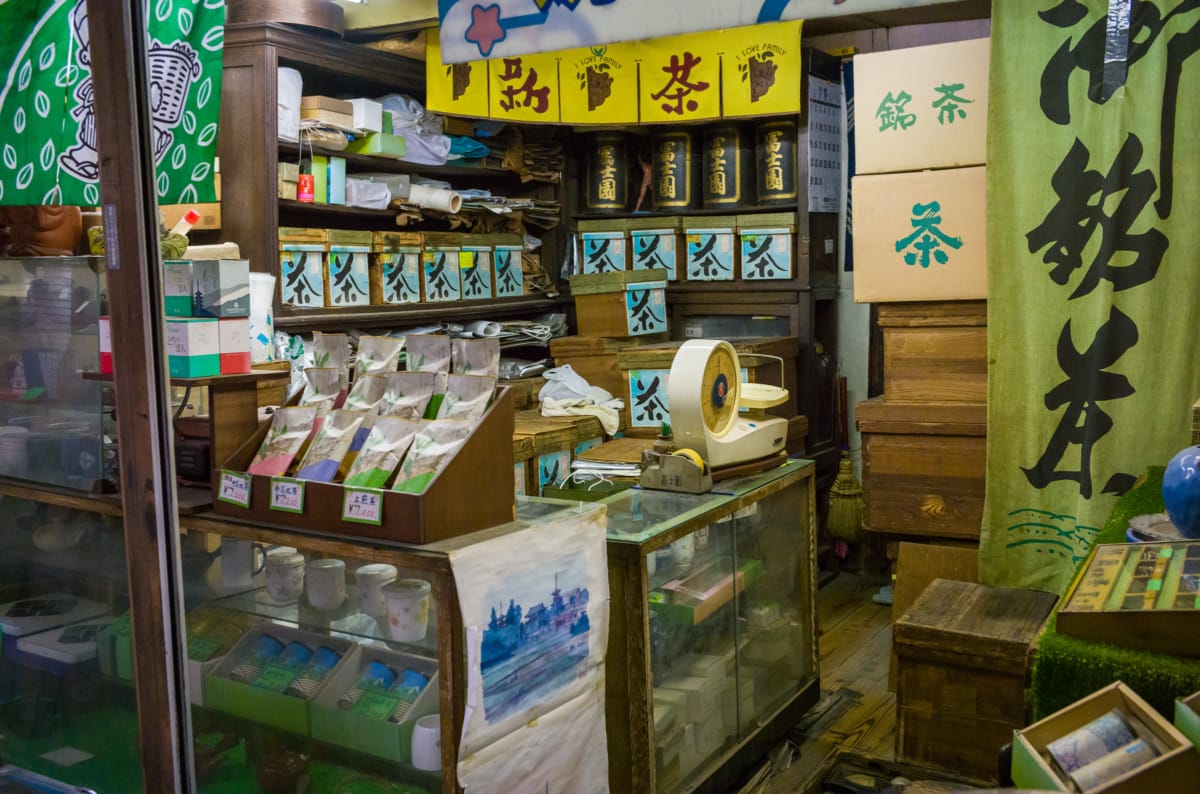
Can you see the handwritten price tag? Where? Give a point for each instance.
(287, 495)
(363, 505)
(235, 488)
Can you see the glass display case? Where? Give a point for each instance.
(712, 647)
(53, 426)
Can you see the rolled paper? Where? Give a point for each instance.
(435, 198)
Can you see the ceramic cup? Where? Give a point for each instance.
(285, 575)
(240, 561)
(684, 550)
(427, 743)
(325, 583)
(371, 581)
(651, 563)
(407, 609)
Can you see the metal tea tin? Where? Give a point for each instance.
(676, 170)
(775, 162)
(728, 166)
(606, 181)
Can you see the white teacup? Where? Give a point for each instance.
(684, 550)
(285, 575)
(371, 581)
(325, 583)
(427, 743)
(407, 609)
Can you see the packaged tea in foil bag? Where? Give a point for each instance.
(407, 394)
(290, 428)
(378, 355)
(380, 456)
(467, 397)
(427, 352)
(332, 351)
(325, 454)
(476, 356)
(436, 442)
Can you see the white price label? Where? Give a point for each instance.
(363, 505)
(287, 495)
(235, 488)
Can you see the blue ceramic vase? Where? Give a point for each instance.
(1181, 491)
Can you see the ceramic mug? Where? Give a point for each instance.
(325, 583)
(684, 550)
(407, 609)
(427, 743)
(240, 562)
(285, 575)
(371, 581)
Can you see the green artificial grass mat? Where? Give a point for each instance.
(1066, 669)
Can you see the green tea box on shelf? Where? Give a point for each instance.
(379, 144)
(376, 721)
(603, 247)
(347, 274)
(440, 267)
(766, 246)
(625, 303)
(193, 347)
(320, 175)
(711, 250)
(302, 267)
(234, 343)
(395, 268)
(475, 269)
(177, 287)
(508, 276)
(657, 244)
(221, 288)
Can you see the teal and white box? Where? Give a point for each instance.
(508, 277)
(221, 288)
(177, 287)
(655, 248)
(710, 254)
(349, 277)
(193, 347)
(335, 180)
(302, 275)
(441, 274)
(766, 254)
(646, 307)
(603, 252)
(475, 272)
(400, 277)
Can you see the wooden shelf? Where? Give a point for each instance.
(314, 208)
(412, 314)
(190, 500)
(756, 208)
(292, 152)
(214, 380)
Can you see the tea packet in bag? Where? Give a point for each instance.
(382, 452)
(290, 428)
(407, 394)
(467, 397)
(378, 355)
(427, 353)
(366, 393)
(476, 356)
(332, 351)
(436, 442)
(325, 455)
(323, 390)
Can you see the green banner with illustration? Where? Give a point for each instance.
(47, 101)
(1093, 282)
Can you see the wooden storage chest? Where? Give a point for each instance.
(963, 653)
(934, 351)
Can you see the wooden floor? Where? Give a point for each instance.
(856, 715)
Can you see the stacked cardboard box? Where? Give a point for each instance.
(207, 302)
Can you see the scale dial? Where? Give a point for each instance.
(719, 398)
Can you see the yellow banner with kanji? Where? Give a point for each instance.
(759, 65)
(524, 88)
(680, 78)
(459, 90)
(599, 85)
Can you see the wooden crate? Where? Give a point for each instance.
(553, 440)
(924, 466)
(595, 357)
(522, 464)
(620, 303)
(934, 351)
(963, 651)
(273, 392)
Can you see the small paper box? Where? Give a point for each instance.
(302, 274)
(321, 102)
(193, 348)
(387, 123)
(378, 737)
(379, 144)
(475, 272)
(1187, 718)
(105, 334)
(286, 181)
(1178, 762)
(702, 697)
(711, 254)
(655, 249)
(335, 178)
(347, 278)
(507, 273)
(177, 287)
(234, 337)
(368, 115)
(320, 175)
(221, 288)
(603, 252)
(441, 273)
(766, 254)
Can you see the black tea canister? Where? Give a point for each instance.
(606, 181)
(728, 166)
(775, 162)
(676, 170)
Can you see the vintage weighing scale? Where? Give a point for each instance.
(706, 396)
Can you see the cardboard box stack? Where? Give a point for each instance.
(207, 302)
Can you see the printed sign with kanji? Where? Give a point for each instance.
(524, 88)
(599, 85)
(680, 78)
(758, 64)
(460, 89)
